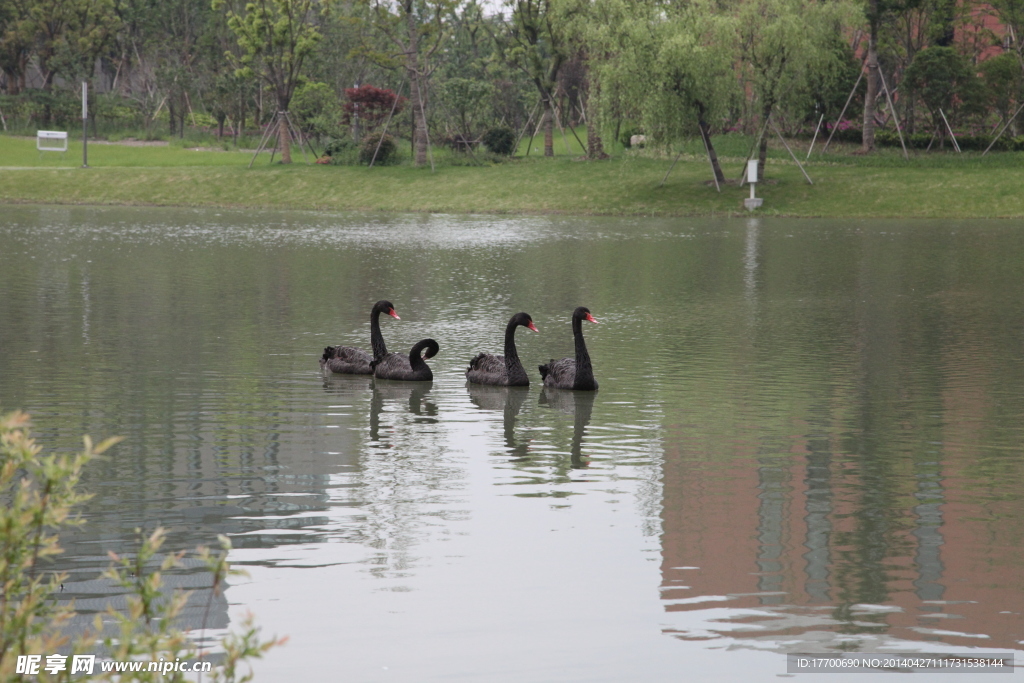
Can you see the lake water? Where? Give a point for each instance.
(808, 436)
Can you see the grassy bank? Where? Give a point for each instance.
(881, 185)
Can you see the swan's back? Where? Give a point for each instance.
(410, 368)
(560, 374)
(487, 368)
(346, 360)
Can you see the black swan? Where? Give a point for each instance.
(569, 373)
(409, 368)
(504, 371)
(349, 360)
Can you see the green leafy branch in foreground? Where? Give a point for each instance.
(39, 495)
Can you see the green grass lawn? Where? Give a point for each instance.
(879, 185)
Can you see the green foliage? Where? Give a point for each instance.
(342, 151)
(40, 494)
(276, 36)
(944, 79)
(1004, 83)
(626, 135)
(386, 153)
(500, 140)
(316, 109)
(466, 102)
(784, 42)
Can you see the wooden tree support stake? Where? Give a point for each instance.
(816, 129)
(387, 123)
(707, 150)
(529, 120)
(950, 129)
(423, 111)
(786, 145)
(281, 118)
(848, 100)
(670, 168)
(1007, 125)
(895, 116)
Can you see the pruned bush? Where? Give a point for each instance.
(386, 154)
(500, 140)
(340, 151)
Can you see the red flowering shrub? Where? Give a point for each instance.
(372, 104)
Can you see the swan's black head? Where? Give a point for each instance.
(523, 319)
(383, 306)
(583, 313)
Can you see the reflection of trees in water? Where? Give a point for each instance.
(406, 475)
(580, 404)
(510, 401)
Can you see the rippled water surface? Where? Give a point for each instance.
(807, 438)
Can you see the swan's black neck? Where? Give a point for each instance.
(416, 361)
(584, 370)
(376, 338)
(513, 366)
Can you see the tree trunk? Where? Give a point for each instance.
(284, 139)
(220, 125)
(548, 123)
(172, 115)
(419, 123)
(762, 152)
(595, 147)
(417, 97)
(868, 139)
(705, 132)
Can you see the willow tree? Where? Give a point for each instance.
(674, 63)
(782, 44)
(276, 36)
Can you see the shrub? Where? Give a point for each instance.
(387, 154)
(627, 134)
(40, 499)
(500, 140)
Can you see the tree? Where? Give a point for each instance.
(946, 82)
(416, 29)
(371, 105)
(674, 63)
(69, 35)
(16, 42)
(1004, 84)
(276, 36)
(537, 40)
(782, 42)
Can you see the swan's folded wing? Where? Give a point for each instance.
(561, 373)
(346, 360)
(392, 366)
(487, 363)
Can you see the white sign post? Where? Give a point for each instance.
(753, 202)
(85, 125)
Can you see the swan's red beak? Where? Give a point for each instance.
(392, 313)
(591, 318)
(533, 327)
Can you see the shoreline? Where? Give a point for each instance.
(625, 186)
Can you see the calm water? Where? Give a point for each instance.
(807, 438)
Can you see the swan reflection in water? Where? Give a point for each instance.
(580, 404)
(346, 385)
(510, 401)
(413, 394)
